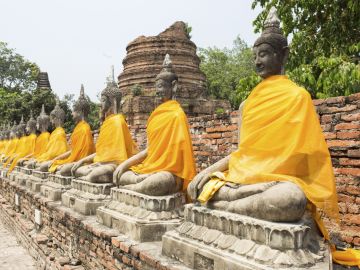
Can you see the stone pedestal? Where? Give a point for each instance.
(144, 218)
(4, 172)
(23, 175)
(212, 239)
(84, 197)
(36, 180)
(56, 186)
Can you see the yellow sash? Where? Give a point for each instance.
(56, 146)
(82, 145)
(169, 143)
(114, 143)
(26, 147)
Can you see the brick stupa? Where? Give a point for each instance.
(143, 62)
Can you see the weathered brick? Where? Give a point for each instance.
(354, 190)
(345, 198)
(353, 153)
(352, 219)
(348, 134)
(344, 126)
(342, 143)
(351, 117)
(330, 135)
(349, 162)
(348, 171)
(327, 118)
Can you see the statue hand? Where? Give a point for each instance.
(196, 184)
(119, 172)
(76, 166)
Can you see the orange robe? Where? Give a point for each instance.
(11, 147)
(82, 145)
(56, 146)
(114, 143)
(25, 148)
(169, 143)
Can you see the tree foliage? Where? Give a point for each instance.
(225, 68)
(19, 94)
(325, 45)
(16, 73)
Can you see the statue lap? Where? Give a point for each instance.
(65, 169)
(155, 184)
(96, 172)
(262, 201)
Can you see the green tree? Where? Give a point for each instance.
(325, 45)
(224, 68)
(16, 73)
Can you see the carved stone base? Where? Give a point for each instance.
(25, 170)
(212, 239)
(13, 175)
(36, 180)
(4, 172)
(56, 186)
(84, 197)
(144, 218)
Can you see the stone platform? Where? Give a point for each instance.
(84, 197)
(212, 239)
(56, 186)
(141, 217)
(36, 180)
(22, 175)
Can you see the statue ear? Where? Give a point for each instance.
(174, 88)
(115, 106)
(285, 55)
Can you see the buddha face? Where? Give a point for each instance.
(164, 89)
(268, 62)
(55, 121)
(77, 116)
(105, 105)
(28, 129)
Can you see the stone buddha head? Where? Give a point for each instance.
(31, 125)
(21, 127)
(81, 107)
(110, 98)
(166, 82)
(13, 131)
(57, 115)
(43, 120)
(271, 48)
(7, 131)
(2, 132)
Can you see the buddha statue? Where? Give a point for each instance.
(6, 140)
(282, 162)
(167, 164)
(114, 144)
(12, 143)
(81, 140)
(26, 143)
(57, 144)
(42, 124)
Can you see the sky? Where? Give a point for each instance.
(77, 41)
